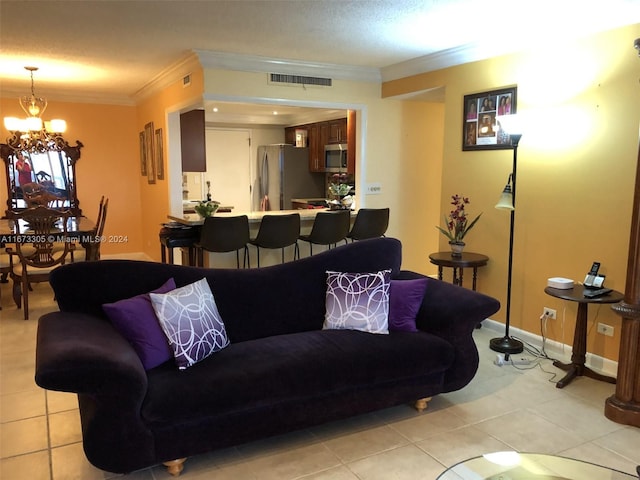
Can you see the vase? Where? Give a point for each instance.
(456, 248)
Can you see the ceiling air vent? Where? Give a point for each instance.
(285, 79)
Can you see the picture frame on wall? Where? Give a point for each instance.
(149, 153)
(481, 129)
(159, 154)
(143, 155)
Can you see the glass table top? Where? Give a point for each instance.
(529, 466)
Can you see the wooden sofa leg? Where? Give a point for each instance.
(174, 467)
(421, 404)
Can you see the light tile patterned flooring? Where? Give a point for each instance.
(502, 409)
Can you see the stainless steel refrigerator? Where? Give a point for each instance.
(283, 174)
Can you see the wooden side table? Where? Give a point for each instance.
(578, 355)
(467, 260)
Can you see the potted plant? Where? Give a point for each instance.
(206, 208)
(458, 224)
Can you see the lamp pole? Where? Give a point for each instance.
(506, 344)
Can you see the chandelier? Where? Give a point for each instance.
(31, 134)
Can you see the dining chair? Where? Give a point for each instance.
(225, 234)
(4, 268)
(278, 231)
(369, 223)
(41, 246)
(328, 229)
(90, 250)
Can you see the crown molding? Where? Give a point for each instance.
(59, 95)
(168, 76)
(439, 60)
(250, 63)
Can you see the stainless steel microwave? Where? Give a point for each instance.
(335, 157)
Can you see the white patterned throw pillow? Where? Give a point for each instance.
(190, 319)
(358, 301)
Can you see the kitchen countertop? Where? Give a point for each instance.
(254, 217)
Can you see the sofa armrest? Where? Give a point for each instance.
(84, 354)
(80, 353)
(453, 312)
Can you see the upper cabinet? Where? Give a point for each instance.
(319, 134)
(337, 131)
(192, 141)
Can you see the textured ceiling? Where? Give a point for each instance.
(112, 49)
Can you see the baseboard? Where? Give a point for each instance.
(554, 348)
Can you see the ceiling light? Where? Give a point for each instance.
(31, 134)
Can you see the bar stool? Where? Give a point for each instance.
(278, 231)
(369, 223)
(328, 228)
(225, 234)
(171, 238)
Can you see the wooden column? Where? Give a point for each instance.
(624, 405)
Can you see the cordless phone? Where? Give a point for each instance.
(593, 280)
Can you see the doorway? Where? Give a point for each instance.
(229, 167)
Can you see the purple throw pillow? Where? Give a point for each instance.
(358, 301)
(405, 298)
(191, 322)
(136, 321)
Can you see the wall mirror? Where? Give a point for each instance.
(45, 176)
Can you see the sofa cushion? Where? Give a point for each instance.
(189, 318)
(288, 368)
(136, 321)
(358, 301)
(405, 298)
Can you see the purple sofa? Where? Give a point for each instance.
(281, 371)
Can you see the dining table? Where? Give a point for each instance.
(79, 228)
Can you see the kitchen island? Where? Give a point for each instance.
(267, 257)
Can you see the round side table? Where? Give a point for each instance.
(467, 260)
(577, 367)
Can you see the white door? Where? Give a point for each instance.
(229, 167)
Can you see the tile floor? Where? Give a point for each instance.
(503, 408)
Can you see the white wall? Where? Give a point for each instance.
(380, 157)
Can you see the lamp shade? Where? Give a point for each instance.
(511, 124)
(506, 200)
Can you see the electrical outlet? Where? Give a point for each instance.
(373, 188)
(605, 329)
(549, 313)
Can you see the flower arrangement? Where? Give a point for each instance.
(340, 185)
(206, 208)
(457, 224)
(339, 189)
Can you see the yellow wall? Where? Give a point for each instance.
(576, 171)
(155, 197)
(107, 166)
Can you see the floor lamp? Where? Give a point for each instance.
(506, 344)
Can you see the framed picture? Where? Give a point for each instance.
(481, 129)
(143, 156)
(149, 153)
(159, 154)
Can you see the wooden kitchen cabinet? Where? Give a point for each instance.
(337, 131)
(324, 133)
(316, 163)
(192, 141)
(290, 135)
